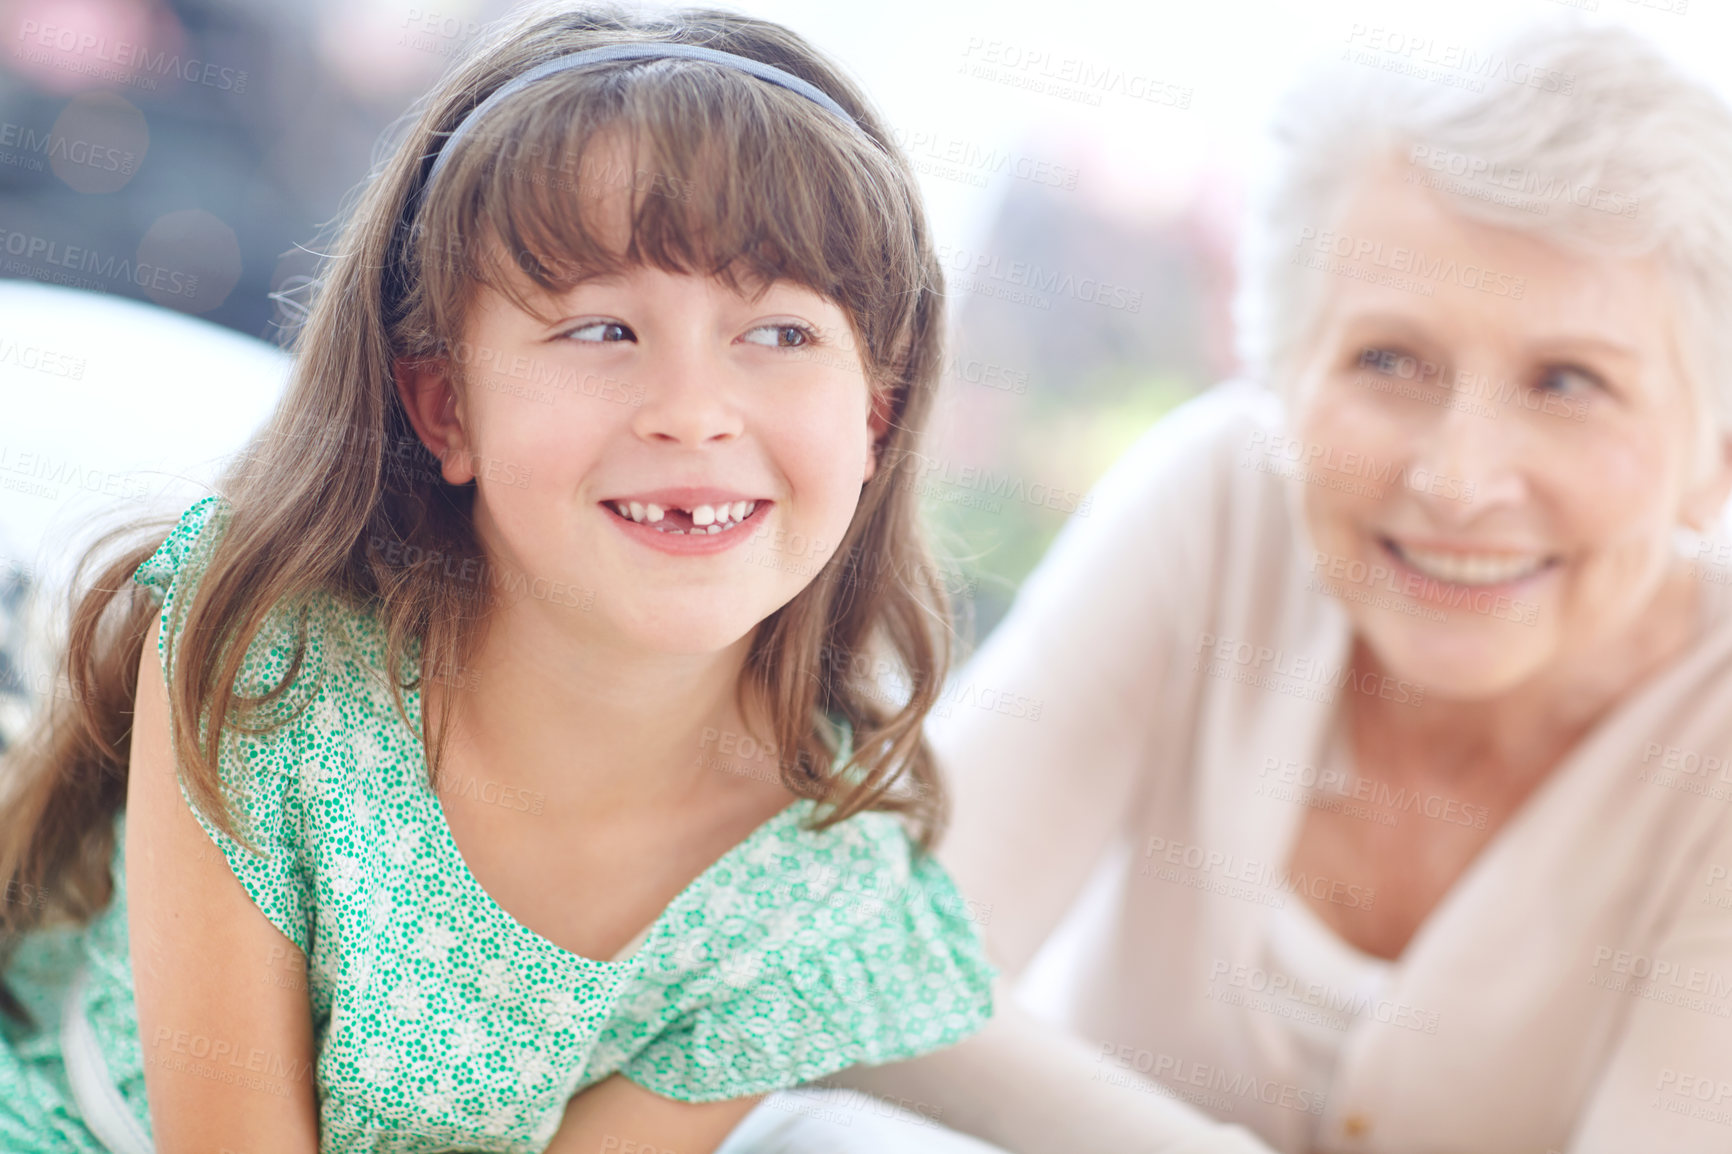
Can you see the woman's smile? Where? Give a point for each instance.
(1462, 565)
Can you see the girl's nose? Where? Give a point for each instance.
(687, 398)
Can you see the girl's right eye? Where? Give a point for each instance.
(601, 331)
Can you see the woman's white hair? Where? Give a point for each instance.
(1585, 135)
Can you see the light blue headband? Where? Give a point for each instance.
(644, 51)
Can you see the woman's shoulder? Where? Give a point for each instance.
(1222, 425)
(1195, 509)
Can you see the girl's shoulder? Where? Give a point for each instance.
(803, 952)
(299, 750)
(299, 645)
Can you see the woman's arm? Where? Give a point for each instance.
(228, 1053)
(617, 1114)
(1668, 1084)
(1033, 1088)
(1050, 731)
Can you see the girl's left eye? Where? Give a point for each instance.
(780, 336)
(601, 331)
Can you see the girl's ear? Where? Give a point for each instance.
(434, 410)
(878, 423)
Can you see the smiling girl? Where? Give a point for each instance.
(592, 435)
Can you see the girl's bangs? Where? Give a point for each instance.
(691, 170)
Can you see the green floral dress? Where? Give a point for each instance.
(441, 1021)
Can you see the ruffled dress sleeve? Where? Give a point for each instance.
(817, 952)
(258, 773)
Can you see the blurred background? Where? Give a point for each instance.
(1086, 168)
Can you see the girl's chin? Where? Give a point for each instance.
(691, 634)
(691, 641)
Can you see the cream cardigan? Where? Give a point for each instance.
(1163, 687)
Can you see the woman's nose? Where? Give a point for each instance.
(1467, 459)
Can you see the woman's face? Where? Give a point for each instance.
(1496, 437)
(669, 460)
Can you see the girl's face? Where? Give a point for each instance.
(666, 463)
(1496, 437)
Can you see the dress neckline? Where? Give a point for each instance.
(452, 859)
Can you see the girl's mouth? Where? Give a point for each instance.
(709, 520)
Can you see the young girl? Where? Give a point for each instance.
(550, 808)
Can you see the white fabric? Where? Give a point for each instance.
(1302, 947)
(100, 1104)
(1507, 1028)
(821, 1121)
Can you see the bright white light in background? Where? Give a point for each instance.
(1137, 158)
(1141, 159)
(114, 406)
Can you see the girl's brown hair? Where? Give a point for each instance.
(729, 176)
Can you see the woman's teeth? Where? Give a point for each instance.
(1470, 568)
(704, 518)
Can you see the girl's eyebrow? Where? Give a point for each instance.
(604, 279)
(556, 298)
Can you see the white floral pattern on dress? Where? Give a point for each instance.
(440, 1022)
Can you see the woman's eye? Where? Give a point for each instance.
(1568, 378)
(1395, 362)
(602, 331)
(780, 336)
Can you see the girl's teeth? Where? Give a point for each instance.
(705, 518)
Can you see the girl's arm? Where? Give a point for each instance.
(228, 1051)
(1034, 1088)
(617, 1114)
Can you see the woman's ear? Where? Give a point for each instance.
(435, 410)
(1704, 504)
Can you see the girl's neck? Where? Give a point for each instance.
(594, 728)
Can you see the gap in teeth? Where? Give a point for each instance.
(705, 519)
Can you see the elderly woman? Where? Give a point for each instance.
(1390, 705)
